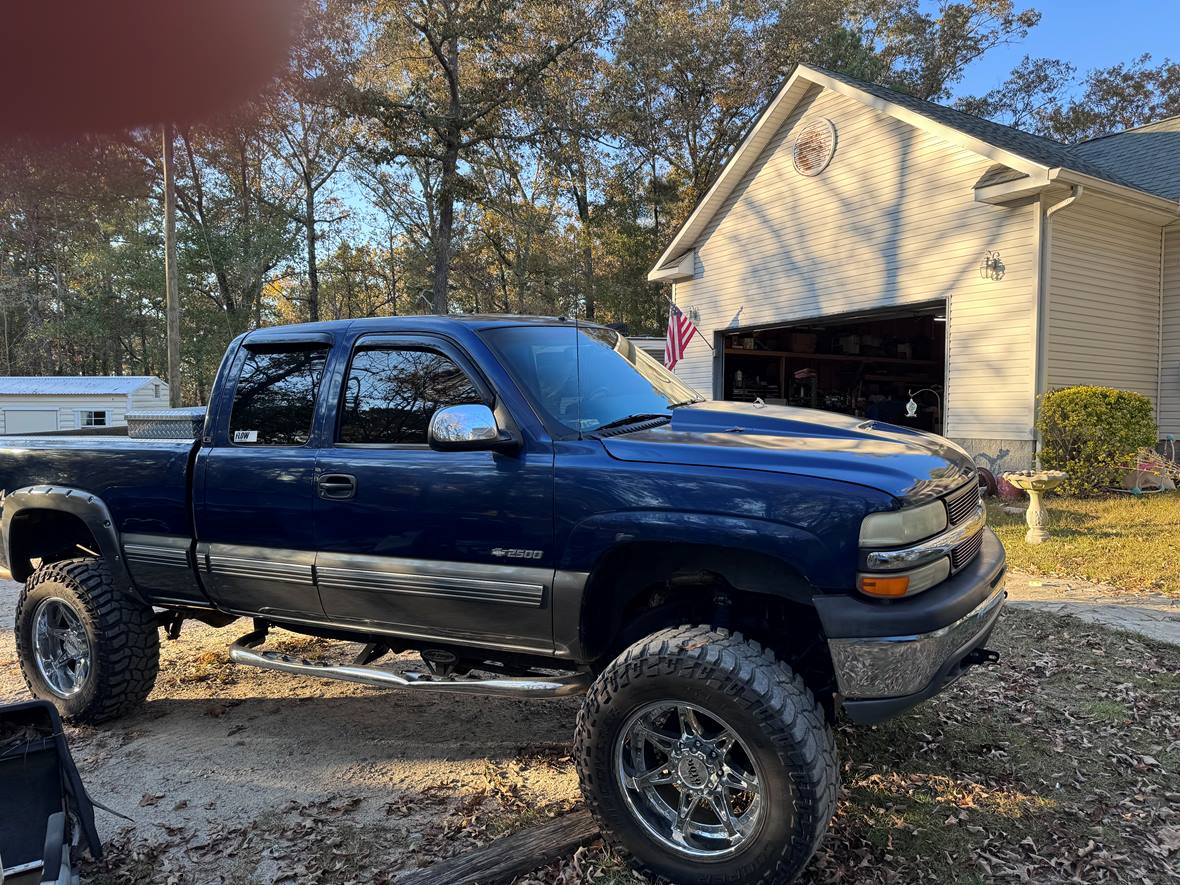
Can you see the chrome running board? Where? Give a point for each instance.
(244, 652)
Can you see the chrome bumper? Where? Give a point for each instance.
(895, 666)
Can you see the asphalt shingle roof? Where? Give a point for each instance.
(1149, 155)
(73, 385)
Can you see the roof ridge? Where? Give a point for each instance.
(1123, 131)
(944, 107)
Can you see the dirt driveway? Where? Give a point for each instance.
(1060, 765)
(228, 770)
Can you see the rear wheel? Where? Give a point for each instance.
(706, 760)
(90, 650)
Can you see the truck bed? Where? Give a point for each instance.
(144, 482)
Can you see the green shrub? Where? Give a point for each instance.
(1093, 433)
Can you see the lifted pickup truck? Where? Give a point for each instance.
(540, 510)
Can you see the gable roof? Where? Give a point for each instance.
(1016, 154)
(74, 385)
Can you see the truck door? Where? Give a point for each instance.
(438, 545)
(253, 483)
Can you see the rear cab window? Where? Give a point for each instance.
(274, 400)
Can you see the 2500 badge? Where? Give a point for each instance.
(506, 553)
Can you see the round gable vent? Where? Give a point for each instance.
(814, 146)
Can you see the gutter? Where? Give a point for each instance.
(1133, 195)
(1041, 372)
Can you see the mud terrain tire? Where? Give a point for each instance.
(775, 718)
(122, 640)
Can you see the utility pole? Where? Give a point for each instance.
(172, 295)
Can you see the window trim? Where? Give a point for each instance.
(277, 344)
(386, 341)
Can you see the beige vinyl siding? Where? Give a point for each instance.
(1104, 291)
(891, 221)
(1168, 408)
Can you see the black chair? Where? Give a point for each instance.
(46, 818)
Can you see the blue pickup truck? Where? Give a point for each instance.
(538, 509)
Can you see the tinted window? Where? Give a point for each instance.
(275, 398)
(391, 395)
(584, 379)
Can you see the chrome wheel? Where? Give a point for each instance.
(61, 648)
(690, 781)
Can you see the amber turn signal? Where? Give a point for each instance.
(888, 586)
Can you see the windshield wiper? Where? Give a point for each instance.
(631, 419)
(687, 402)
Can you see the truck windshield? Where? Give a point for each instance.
(587, 378)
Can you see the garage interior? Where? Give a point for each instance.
(865, 364)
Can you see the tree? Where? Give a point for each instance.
(1043, 96)
(235, 231)
(926, 49)
(459, 70)
(575, 105)
(405, 200)
(306, 127)
(1034, 91)
(1121, 96)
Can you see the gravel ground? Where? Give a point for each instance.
(1060, 765)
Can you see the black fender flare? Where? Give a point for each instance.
(88, 507)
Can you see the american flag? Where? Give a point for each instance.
(680, 332)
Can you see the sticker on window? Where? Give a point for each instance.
(245, 436)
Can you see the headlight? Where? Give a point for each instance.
(897, 527)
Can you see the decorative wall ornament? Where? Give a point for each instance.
(814, 147)
(991, 268)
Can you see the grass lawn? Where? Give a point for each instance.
(1059, 765)
(1129, 542)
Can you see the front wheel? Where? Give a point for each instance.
(84, 646)
(706, 760)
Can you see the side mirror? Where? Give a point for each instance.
(467, 428)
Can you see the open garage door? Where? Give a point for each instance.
(865, 364)
(29, 420)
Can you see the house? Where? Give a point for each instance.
(653, 347)
(38, 403)
(863, 248)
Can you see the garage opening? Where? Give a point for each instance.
(866, 365)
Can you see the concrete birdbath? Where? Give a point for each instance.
(1036, 483)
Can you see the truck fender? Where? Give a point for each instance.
(801, 555)
(87, 507)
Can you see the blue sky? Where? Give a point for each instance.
(1088, 33)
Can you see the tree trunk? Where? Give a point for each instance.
(313, 276)
(446, 223)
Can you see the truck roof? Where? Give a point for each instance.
(410, 323)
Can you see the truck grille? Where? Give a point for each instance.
(962, 503)
(966, 551)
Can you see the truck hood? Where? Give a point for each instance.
(911, 465)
